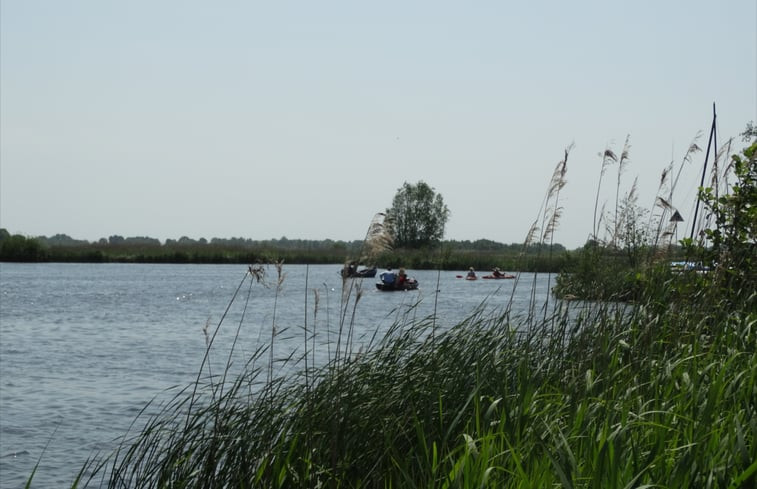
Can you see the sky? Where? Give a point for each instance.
(264, 120)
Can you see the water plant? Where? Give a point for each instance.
(655, 393)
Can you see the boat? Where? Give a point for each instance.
(688, 266)
(498, 277)
(467, 277)
(363, 273)
(409, 284)
(471, 275)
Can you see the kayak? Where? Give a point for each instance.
(498, 277)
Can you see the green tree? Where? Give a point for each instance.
(21, 249)
(734, 238)
(417, 216)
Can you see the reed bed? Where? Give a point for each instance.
(655, 393)
(593, 395)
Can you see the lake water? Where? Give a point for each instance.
(83, 347)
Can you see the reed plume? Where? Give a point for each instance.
(718, 175)
(622, 163)
(608, 157)
(549, 215)
(553, 210)
(660, 202)
(378, 238)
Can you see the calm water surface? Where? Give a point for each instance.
(83, 347)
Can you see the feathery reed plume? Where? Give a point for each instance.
(719, 176)
(622, 163)
(552, 224)
(664, 175)
(378, 238)
(531, 235)
(552, 210)
(663, 204)
(608, 157)
(687, 157)
(660, 203)
(549, 215)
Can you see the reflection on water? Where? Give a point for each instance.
(83, 347)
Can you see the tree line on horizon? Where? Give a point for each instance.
(64, 248)
(404, 233)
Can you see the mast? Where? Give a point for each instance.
(710, 143)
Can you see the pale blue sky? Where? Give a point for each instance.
(302, 119)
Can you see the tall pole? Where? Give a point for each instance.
(704, 170)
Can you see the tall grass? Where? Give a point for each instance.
(611, 396)
(658, 393)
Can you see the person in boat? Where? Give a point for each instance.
(401, 277)
(497, 273)
(388, 277)
(351, 270)
(471, 273)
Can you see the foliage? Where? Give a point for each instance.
(596, 396)
(622, 267)
(451, 255)
(614, 267)
(732, 250)
(750, 132)
(20, 248)
(418, 216)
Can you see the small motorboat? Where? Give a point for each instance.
(409, 284)
(362, 273)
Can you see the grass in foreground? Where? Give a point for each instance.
(658, 393)
(649, 396)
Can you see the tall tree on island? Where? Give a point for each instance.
(417, 216)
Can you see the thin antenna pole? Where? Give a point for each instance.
(715, 152)
(704, 171)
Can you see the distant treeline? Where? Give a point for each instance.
(482, 254)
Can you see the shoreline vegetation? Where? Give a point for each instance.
(481, 254)
(606, 396)
(648, 382)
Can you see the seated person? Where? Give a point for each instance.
(497, 273)
(388, 276)
(401, 277)
(471, 273)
